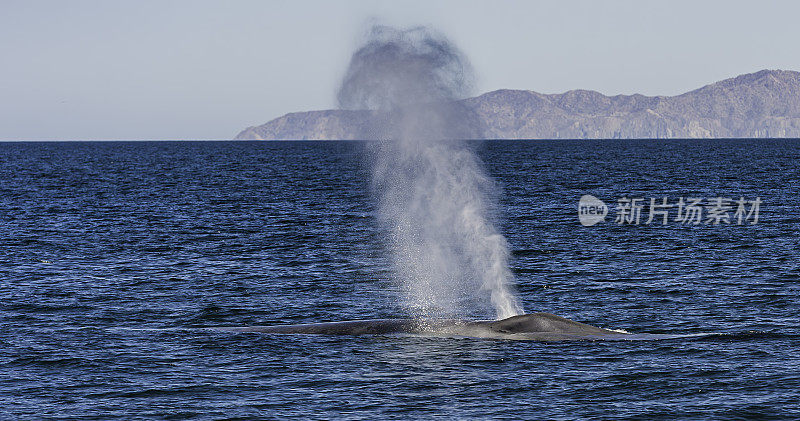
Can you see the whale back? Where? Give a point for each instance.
(535, 326)
(544, 323)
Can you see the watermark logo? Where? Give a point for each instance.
(591, 210)
(686, 211)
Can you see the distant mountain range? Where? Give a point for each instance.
(763, 104)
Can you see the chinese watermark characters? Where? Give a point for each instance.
(686, 211)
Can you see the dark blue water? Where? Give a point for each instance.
(118, 259)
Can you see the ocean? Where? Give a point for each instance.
(120, 261)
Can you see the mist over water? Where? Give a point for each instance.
(434, 197)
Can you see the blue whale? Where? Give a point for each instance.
(535, 326)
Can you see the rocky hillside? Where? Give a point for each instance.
(762, 104)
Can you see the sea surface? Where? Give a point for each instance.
(119, 261)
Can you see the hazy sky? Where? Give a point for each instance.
(192, 69)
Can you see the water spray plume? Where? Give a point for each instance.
(434, 197)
